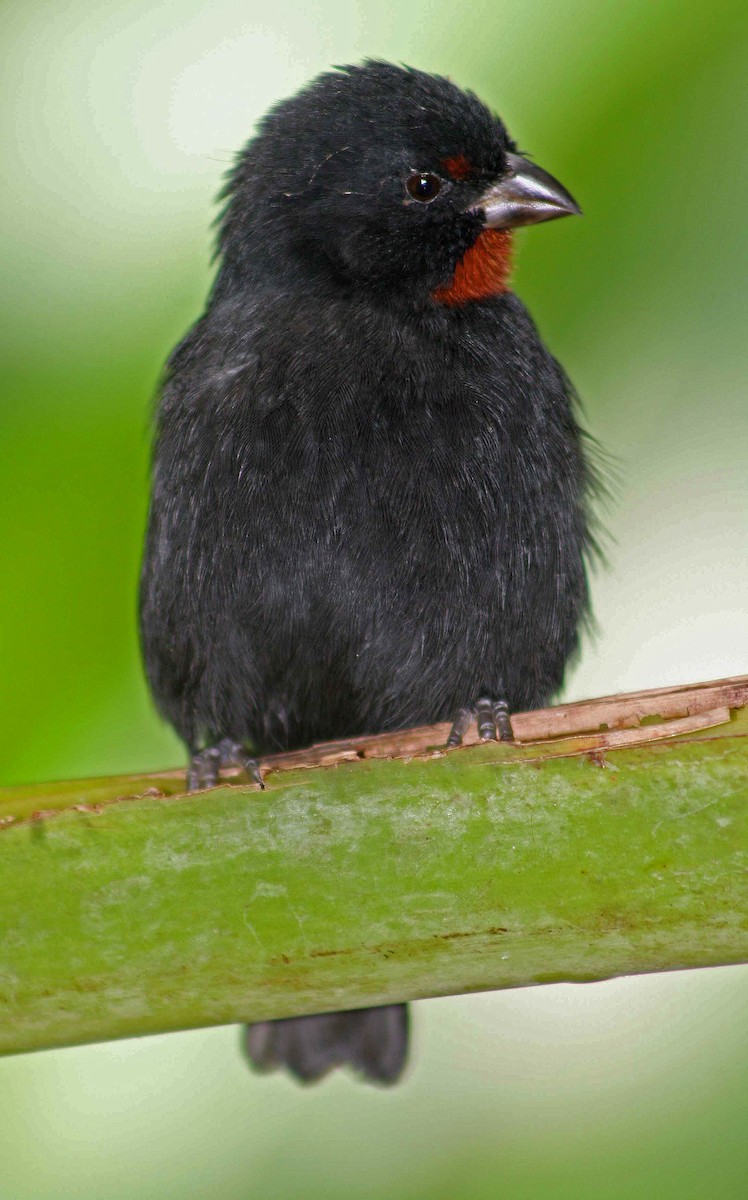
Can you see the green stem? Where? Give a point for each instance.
(372, 881)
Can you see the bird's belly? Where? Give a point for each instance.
(381, 626)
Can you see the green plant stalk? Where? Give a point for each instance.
(491, 867)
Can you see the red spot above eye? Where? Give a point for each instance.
(458, 167)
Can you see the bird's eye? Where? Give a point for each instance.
(423, 186)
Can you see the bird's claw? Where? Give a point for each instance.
(492, 718)
(206, 765)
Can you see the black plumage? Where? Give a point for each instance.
(369, 494)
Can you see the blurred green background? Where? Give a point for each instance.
(118, 121)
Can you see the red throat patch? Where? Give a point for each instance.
(482, 271)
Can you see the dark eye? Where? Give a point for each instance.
(423, 186)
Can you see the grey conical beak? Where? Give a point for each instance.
(527, 194)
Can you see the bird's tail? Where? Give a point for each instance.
(373, 1041)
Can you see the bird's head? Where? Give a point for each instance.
(384, 177)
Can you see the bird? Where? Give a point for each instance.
(370, 503)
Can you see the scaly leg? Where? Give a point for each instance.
(492, 717)
(205, 765)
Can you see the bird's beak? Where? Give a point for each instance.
(527, 194)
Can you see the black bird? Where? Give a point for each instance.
(369, 486)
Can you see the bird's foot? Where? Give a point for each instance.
(206, 765)
(492, 718)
